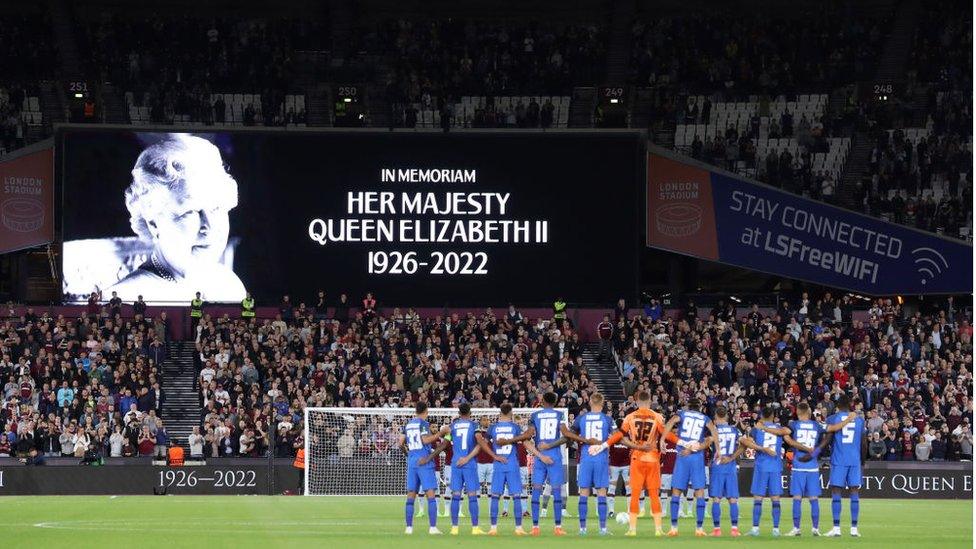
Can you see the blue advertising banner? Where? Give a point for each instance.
(724, 218)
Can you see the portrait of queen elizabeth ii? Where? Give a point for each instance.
(179, 202)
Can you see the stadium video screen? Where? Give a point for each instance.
(414, 218)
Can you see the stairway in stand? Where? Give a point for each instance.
(604, 373)
(181, 405)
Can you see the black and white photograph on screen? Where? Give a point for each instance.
(178, 201)
(433, 218)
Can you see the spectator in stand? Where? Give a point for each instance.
(605, 332)
(369, 306)
(620, 310)
(139, 307)
(876, 447)
(146, 442)
(162, 440)
(274, 369)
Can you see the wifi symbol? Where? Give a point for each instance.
(929, 263)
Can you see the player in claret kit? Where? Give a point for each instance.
(845, 462)
(444, 462)
(547, 426)
(416, 440)
(444, 466)
(689, 468)
(486, 465)
(669, 455)
(505, 471)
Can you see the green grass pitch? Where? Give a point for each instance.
(341, 523)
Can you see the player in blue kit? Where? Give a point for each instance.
(416, 439)
(505, 469)
(464, 472)
(724, 470)
(546, 426)
(805, 472)
(689, 467)
(724, 473)
(845, 462)
(805, 475)
(593, 471)
(768, 472)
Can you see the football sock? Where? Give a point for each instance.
(409, 510)
(557, 507)
(835, 509)
(582, 511)
(536, 492)
(455, 508)
(601, 510)
(473, 509)
(432, 511)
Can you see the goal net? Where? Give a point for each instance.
(355, 451)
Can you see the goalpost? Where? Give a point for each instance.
(355, 451)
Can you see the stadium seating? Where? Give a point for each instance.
(31, 111)
(497, 112)
(437, 359)
(94, 375)
(907, 367)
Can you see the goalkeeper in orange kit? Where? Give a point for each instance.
(642, 431)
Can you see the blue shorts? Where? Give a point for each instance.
(845, 476)
(465, 479)
(724, 485)
(767, 483)
(805, 484)
(501, 477)
(553, 473)
(688, 470)
(421, 476)
(593, 473)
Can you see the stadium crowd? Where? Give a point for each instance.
(86, 387)
(173, 64)
(921, 164)
(910, 370)
(13, 127)
(737, 54)
(258, 373)
(174, 67)
(451, 58)
(93, 383)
